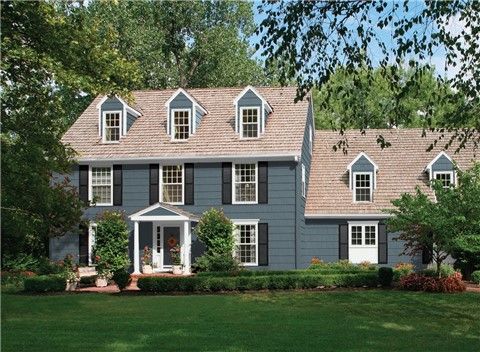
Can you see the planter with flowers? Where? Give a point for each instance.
(147, 261)
(70, 273)
(102, 272)
(176, 260)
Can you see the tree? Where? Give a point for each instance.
(51, 60)
(311, 39)
(448, 225)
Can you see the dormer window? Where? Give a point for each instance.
(362, 174)
(111, 126)
(250, 122)
(445, 177)
(442, 168)
(362, 186)
(181, 124)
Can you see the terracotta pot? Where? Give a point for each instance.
(101, 281)
(177, 270)
(147, 269)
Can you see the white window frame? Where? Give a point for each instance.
(451, 173)
(234, 201)
(172, 119)
(310, 139)
(161, 184)
(354, 181)
(363, 224)
(90, 185)
(92, 228)
(241, 121)
(238, 222)
(104, 125)
(304, 182)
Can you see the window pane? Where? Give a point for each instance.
(362, 188)
(370, 235)
(181, 123)
(250, 123)
(356, 235)
(112, 126)
(101, 185)
(246, 243)
(245, 183)
(101, 194)
(445, 178)
(172, 190)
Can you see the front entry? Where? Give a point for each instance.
(164, 239)
(171, 237)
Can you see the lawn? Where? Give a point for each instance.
(285, 321)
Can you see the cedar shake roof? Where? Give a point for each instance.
(215, 136)
(401, 167)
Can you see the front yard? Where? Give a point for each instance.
(364, 320)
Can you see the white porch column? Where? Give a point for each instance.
(187, 246)
(136, 249)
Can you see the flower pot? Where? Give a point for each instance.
(101, 281)
(147, 269)
(71, 286)
(177, 270)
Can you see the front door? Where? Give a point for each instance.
(171, 237)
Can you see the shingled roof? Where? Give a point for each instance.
(401, 168)
(215, 136)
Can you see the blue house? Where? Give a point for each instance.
(170, 155)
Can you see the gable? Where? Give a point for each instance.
(442, 164)
(159, 211)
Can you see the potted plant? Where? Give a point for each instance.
(70, 273)
(147, 261)
(176, 261)
(102, 270)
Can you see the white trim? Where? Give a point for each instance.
(195, 158)
(245, 90)
(304, 182)
(452, 173)
(349, 167)
(91, 241)
(254, 222)
(131, 110)
(160, 182)
(120, 134)
(136, 248)
(347, 216)
(310, 139)
(363, 224)
(153, 207)
(90, 185)
(355, 186)
(172, 118)
(192, 99)
(233, 184)
(358, 253)
(126, 108)
(242, 108)
(428, 168)
(159, 218)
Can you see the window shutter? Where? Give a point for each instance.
(426, 256)
(263, 244)
(83, 182)
(343, 242)
(83, 246)
(262, 182)
(154, 179)
(117, 184)
(189, 184)
(226, 183)
(382, 244)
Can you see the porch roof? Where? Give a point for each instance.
(163, 211)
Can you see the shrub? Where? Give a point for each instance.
(45, 283)
(316, 261)
(416, 282)
(216, 263)
(446, 270)
(343, 266)
(385, 276)
(20, 262)
(476, 277)
(122, 278)
(402, 269)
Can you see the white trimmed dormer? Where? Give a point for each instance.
(115, 117)
(251, 113)
(442, 168)
(362, 174)
(184, 114)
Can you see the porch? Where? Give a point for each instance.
(161, 227)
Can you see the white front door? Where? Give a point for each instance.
(165, 236)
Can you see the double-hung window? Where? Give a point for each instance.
(172, 184)
(111, 126)
(362, 183)
(101, 185)
(445, 177)
(250, 122)
(246, 243)
(245, 183)
(181, 124)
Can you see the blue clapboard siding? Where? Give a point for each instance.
(249, 99)
(130, 120)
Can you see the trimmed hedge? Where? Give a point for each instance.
(476, 277)
(45, 283)
(205, 283)
(315, 271)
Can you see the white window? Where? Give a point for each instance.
(362, 186)
(246, 243)
(172, 184)
(310, 139)
(304, 182)
(181, 124)
(101, 190)
(111, 126)
(245, 183)
(250, 122)
(363, 241)
(445, 177)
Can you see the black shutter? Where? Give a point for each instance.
(262, 182)
(83, 182)
(117, 184)
(83, 246)
(226, 183)
(262, 244)
(189, 186)
(154, 179)
(343, 242)
(382, 244)
(426, 255)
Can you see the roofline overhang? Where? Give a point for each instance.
(347, 216)
(194, 158)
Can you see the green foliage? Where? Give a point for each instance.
(88, 280)
(341, 266)
(476, 277)
(111, 242)
(215, 283)
(385, 276)
(20, 262)
(45, 283)
(122, 278)
(216, 263)
(402, 269)
(446, 270)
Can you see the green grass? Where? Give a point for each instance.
(373, 320)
